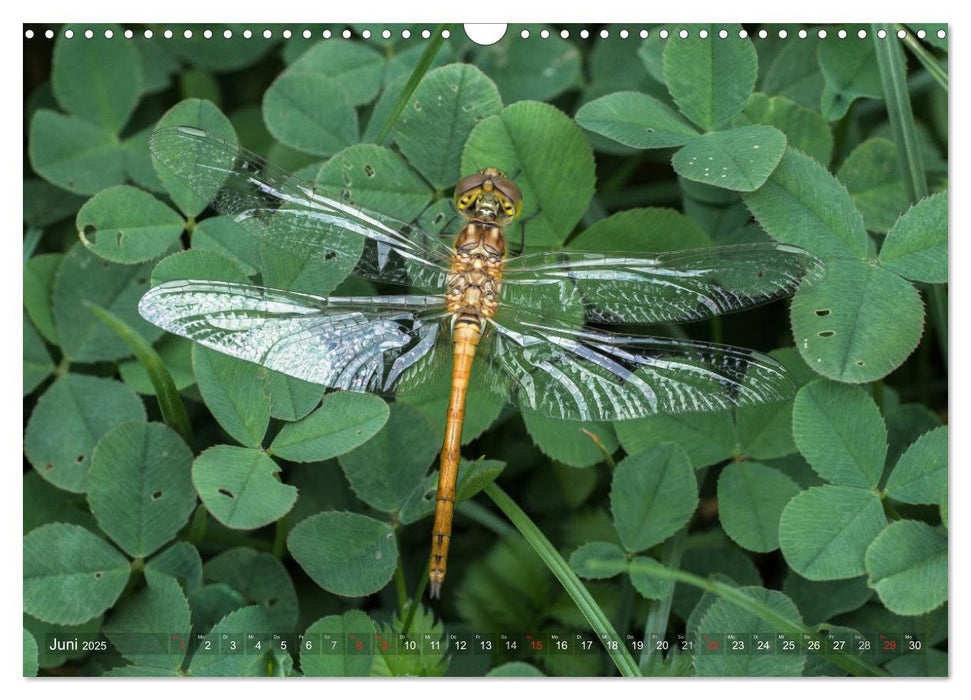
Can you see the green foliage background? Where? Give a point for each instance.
(172, 490)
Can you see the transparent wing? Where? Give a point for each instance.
(372, 344)
(297, 217)
(685, 285)
(589, 375)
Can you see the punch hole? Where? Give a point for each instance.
(207, 34)
(821, 33)
(683, 34)
(49, 34)
(564, 34)
(446, 34)
(941, 34)
(386, 34)
(763, 34)
(88, 34)
(148, 34)
(921, 33)
(287, 34)
(425, 34)
(405, 33)
(901, 34)
(803, 33)
(584, 33)
(109, 34)
(29, 34)
(327, 34)
(68, 34)
(644, 34)
(861, 33)
(267, 34)
(129, 33)
(723, 34)
(366, 34)
(663, 34)
(247, 34)
(742, 34)
(882, 33)
(167, 34)
(524, 34)
(545, 34)
(604, 34)
(841, 33)
(488, 34)
(227, 34)
(624, 33)
(187, 33)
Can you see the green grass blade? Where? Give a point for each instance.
(893, 77)
(169, 400)
(571, 583)
(428, 55)
(31, 239)
(926, 58)
(659, 613)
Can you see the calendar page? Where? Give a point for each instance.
(384, 350)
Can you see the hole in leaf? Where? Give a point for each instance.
(860, 363)
(368, 170)
(330, 255)
(156, 495)
(826, 334)
(428, 495)
(119, 237)
(89, 234)
(822, 312)
(345, 193)
(417, 106)
(79, 459)
(98, 574)
(227, 494)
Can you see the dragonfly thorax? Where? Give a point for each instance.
(475, 275)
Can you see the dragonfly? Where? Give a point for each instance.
(536, 330)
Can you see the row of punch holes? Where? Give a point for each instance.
(525, 34)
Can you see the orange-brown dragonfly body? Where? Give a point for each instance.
(490, 201)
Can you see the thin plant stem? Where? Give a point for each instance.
(424, 63)
(559, 567)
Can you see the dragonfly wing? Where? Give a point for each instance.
(297, 217)
(355, 343)
(647, 288)
(589, 375)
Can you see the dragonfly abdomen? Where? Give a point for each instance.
(465, 337)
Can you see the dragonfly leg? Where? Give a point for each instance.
(522, 233)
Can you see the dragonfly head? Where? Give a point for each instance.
(489, 195)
